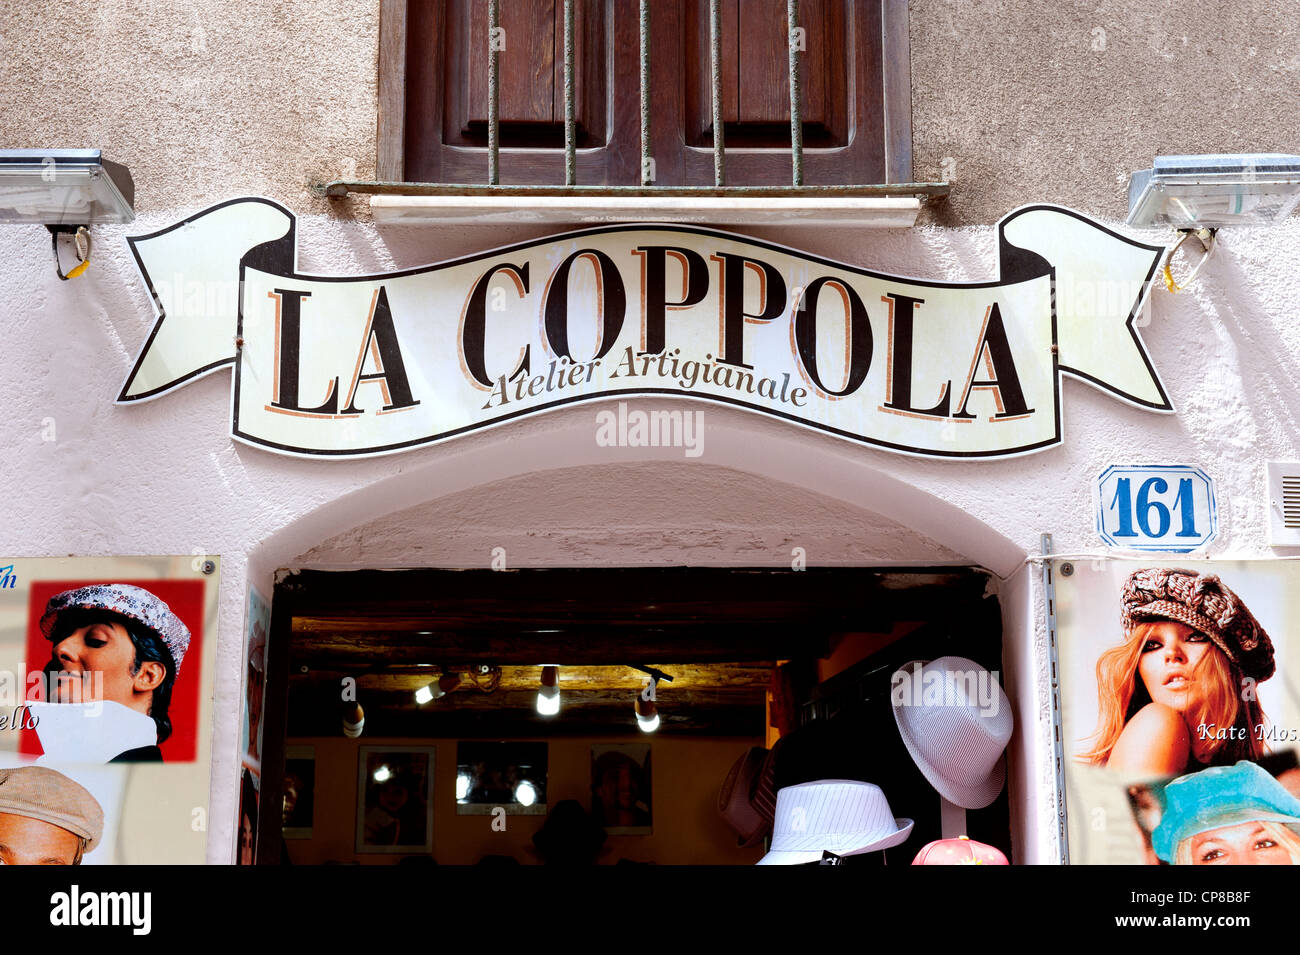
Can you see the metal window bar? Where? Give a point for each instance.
(715, 68)
(644, 29)
(570, 142)
(494, 94)
(796, 113)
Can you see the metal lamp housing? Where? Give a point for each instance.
(1216, 190)
(64, 187)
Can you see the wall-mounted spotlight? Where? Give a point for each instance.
(548, 697)
(67, 191)
(1198, 195)
(1213, 191)
(437, 689)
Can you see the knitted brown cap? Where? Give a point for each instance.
(1204, 603)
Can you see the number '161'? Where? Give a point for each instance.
(1122, 502)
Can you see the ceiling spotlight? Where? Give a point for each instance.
(354, 720)
(548, 697)
(647, 714)
(437, 689)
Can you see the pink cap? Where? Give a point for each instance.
(960, 851)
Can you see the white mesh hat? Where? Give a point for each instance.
(956, 722)
(842, 816)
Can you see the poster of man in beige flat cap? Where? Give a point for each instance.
(108, 664)
(46, 818)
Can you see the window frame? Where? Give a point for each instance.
(616, 163)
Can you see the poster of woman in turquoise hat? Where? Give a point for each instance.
(1225, 815)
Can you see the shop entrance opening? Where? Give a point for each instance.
(808, 666)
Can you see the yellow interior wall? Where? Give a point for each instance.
(686, 774)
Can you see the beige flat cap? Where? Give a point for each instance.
(50, 796)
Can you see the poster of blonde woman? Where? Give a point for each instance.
(1180, 715)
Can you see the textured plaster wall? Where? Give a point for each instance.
(1015, 101)
(201, 99)
(206, 102)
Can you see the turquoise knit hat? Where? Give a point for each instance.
(1217, 797)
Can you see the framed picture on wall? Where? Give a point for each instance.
(509, 776)
(299, 791)
(394, 808)
(621, 799)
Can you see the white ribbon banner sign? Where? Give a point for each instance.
(348, 366)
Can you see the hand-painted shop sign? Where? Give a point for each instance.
(373, 364)
(1156, 507)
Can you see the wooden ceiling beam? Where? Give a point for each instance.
(522, 724)
(717, 644)
(571, 678)
(525, 700)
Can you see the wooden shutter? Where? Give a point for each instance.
(531, 96)
(756, 75)
(446, 63)
(841, 74)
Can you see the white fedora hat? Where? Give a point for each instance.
(956, 722)
(842, 816)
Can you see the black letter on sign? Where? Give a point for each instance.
(1004, 382)
(860, 342)
(611, 300)
(289, 334)
(654, 300)
(732, 304)
(390, 371)
(474, 327)
(899, 392)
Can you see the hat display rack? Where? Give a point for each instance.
(864, 781)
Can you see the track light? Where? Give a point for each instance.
(647, 714)
(437, 689)
(354, 720)
(548, 697)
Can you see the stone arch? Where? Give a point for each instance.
(769, 452)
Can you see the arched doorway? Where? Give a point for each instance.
(645, 511)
